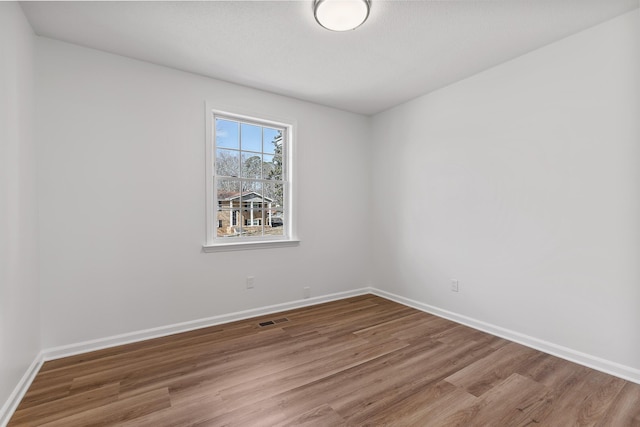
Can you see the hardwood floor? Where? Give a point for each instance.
(363, 361)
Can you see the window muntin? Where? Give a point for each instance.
(250, 184)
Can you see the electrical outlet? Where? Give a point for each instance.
(250, 280)
(307, 292)
(454, 285)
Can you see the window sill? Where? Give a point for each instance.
(241, 246)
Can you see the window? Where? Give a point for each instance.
(249, 196)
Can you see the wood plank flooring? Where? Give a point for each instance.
(362, 361)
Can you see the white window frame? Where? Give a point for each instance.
(289, 237)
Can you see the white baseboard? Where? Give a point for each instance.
(622, 371)
(101, 343)
(19, 391)
(612, 368)
(162, 331)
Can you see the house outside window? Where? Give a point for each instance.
(249, 188)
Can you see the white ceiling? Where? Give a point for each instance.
(405, 49)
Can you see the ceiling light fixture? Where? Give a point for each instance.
(341, 15)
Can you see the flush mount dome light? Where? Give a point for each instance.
(341, 15)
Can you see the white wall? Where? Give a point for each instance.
(19, 302)
(523, 182)
(121, 147)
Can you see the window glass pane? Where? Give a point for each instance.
(252, 223)
(251, 165)
(274, 223)
(227, 211)
(227, 162)
(252, 202)
(274, 194)
(227, 135)
(227, 225)
(250, 186)
(252, 195)
(271, 138)
(228, 193)
(251, 137)
(276, 168)
(267, 166)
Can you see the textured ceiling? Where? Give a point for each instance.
(405, 49)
